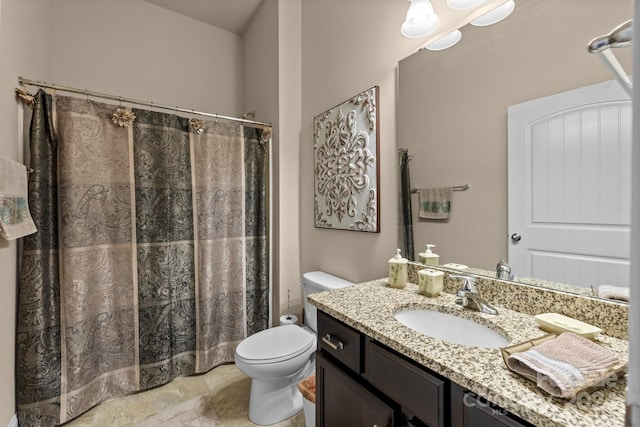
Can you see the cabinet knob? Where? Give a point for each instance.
(327, 340)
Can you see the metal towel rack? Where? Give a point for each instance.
(464, 187)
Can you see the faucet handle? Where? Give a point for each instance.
(468, 282)
(503, 270)
(461, 298)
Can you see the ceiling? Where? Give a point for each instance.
(235, 15)
(230, 15)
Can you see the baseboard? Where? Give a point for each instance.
(14, 421)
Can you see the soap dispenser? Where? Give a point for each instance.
(428, 257)
(398, 271)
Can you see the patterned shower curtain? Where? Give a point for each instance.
(151, 257)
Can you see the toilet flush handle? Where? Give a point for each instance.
(327, 340)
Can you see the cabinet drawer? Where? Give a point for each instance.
(340, 341)
(420, 393)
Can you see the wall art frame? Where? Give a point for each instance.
(346, 165)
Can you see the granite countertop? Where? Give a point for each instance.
(369, 308)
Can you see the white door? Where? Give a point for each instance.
(570, 186)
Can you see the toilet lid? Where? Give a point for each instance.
(275, 344)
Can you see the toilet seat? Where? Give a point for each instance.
(275, 345)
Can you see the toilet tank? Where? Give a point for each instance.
(318, 281)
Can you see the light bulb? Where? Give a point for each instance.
(420, 21)
(445, 42)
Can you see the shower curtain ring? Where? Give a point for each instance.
(120, 101)
(176, 112)
(150, 106)
(86, 92)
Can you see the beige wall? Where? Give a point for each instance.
(138, 50)
(287, 251)
(25, 36)
(261, 95)
(348, 47)
(453, 112)
(272, 58)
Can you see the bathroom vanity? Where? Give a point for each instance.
(361, 382)
(374, 371)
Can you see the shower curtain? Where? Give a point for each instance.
(151, 257)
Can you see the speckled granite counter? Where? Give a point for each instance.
(369, 308)
(611, 316)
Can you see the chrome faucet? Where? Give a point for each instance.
(503, 270)
(469, 297)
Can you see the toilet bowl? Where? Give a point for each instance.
(277, 359)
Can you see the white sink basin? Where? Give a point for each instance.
(450, 328)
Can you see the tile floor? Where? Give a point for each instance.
(225, 386)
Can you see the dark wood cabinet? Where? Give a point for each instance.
(340, 341)
(421, 394)
(345, 402)
(361, 382)
(473, 411)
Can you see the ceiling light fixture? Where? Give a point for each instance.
(420, 21)
(445, 42)
(495, 15)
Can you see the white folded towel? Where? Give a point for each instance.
(15, 219)
(435, 203)
(621, 293)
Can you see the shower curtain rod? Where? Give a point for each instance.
(150, 104)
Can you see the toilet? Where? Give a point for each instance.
(277, 359)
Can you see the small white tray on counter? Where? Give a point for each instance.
(557, 323)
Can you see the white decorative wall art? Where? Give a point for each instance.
(345, 154)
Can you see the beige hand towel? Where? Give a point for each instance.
(564, 365)
(435, 203)
(15, 219)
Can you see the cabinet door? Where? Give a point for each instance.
(419, 392)
(470, 411)
(341, 401)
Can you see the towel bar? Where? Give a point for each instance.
(456, 188)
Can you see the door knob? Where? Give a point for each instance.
(516, 237)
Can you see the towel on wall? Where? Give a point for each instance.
(564, 365)
(15, 219)
(435, 203)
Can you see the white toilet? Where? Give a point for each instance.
(277, 359)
